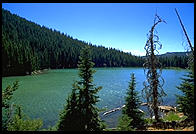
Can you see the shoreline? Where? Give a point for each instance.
(42, 71)
(37, 72)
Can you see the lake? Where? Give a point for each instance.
(43, 96)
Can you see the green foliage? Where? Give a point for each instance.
(80, 112)
(87, 97)
(7, 108)
(124, 122)
(69, 117)
(172, 116)
(186, 101)
(191, 61)
(131, 109)
(174, 61)
(18, 124)
(50, 128)
(13, 117)
(8, 93)
(149, 120)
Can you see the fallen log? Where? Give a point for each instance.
(113, 110)
(164, 109)
(117, 109)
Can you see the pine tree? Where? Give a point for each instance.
(87, 93)
(69, 117)
(81, 111)
(131, 109)
(186, 101)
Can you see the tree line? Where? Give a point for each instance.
(174, 61)
(27, 46)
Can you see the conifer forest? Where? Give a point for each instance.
(52, 81)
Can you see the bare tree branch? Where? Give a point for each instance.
(153, 90)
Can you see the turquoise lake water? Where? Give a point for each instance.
(43, 96)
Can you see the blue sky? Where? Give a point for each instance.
(123, 26)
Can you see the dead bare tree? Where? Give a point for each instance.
(153, 90)
(191, 55)
(192, 49)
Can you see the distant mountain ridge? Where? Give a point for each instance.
(174, 54)
(173, 59)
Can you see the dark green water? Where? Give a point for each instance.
(43, 96)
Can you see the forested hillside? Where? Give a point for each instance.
(27, 46)
(174, 60)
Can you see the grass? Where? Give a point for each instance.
(173, 117)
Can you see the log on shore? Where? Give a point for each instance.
(113, 110)
(164, 109)
(117, 109)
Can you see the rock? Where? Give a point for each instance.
(167, 109)
(144, 104)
